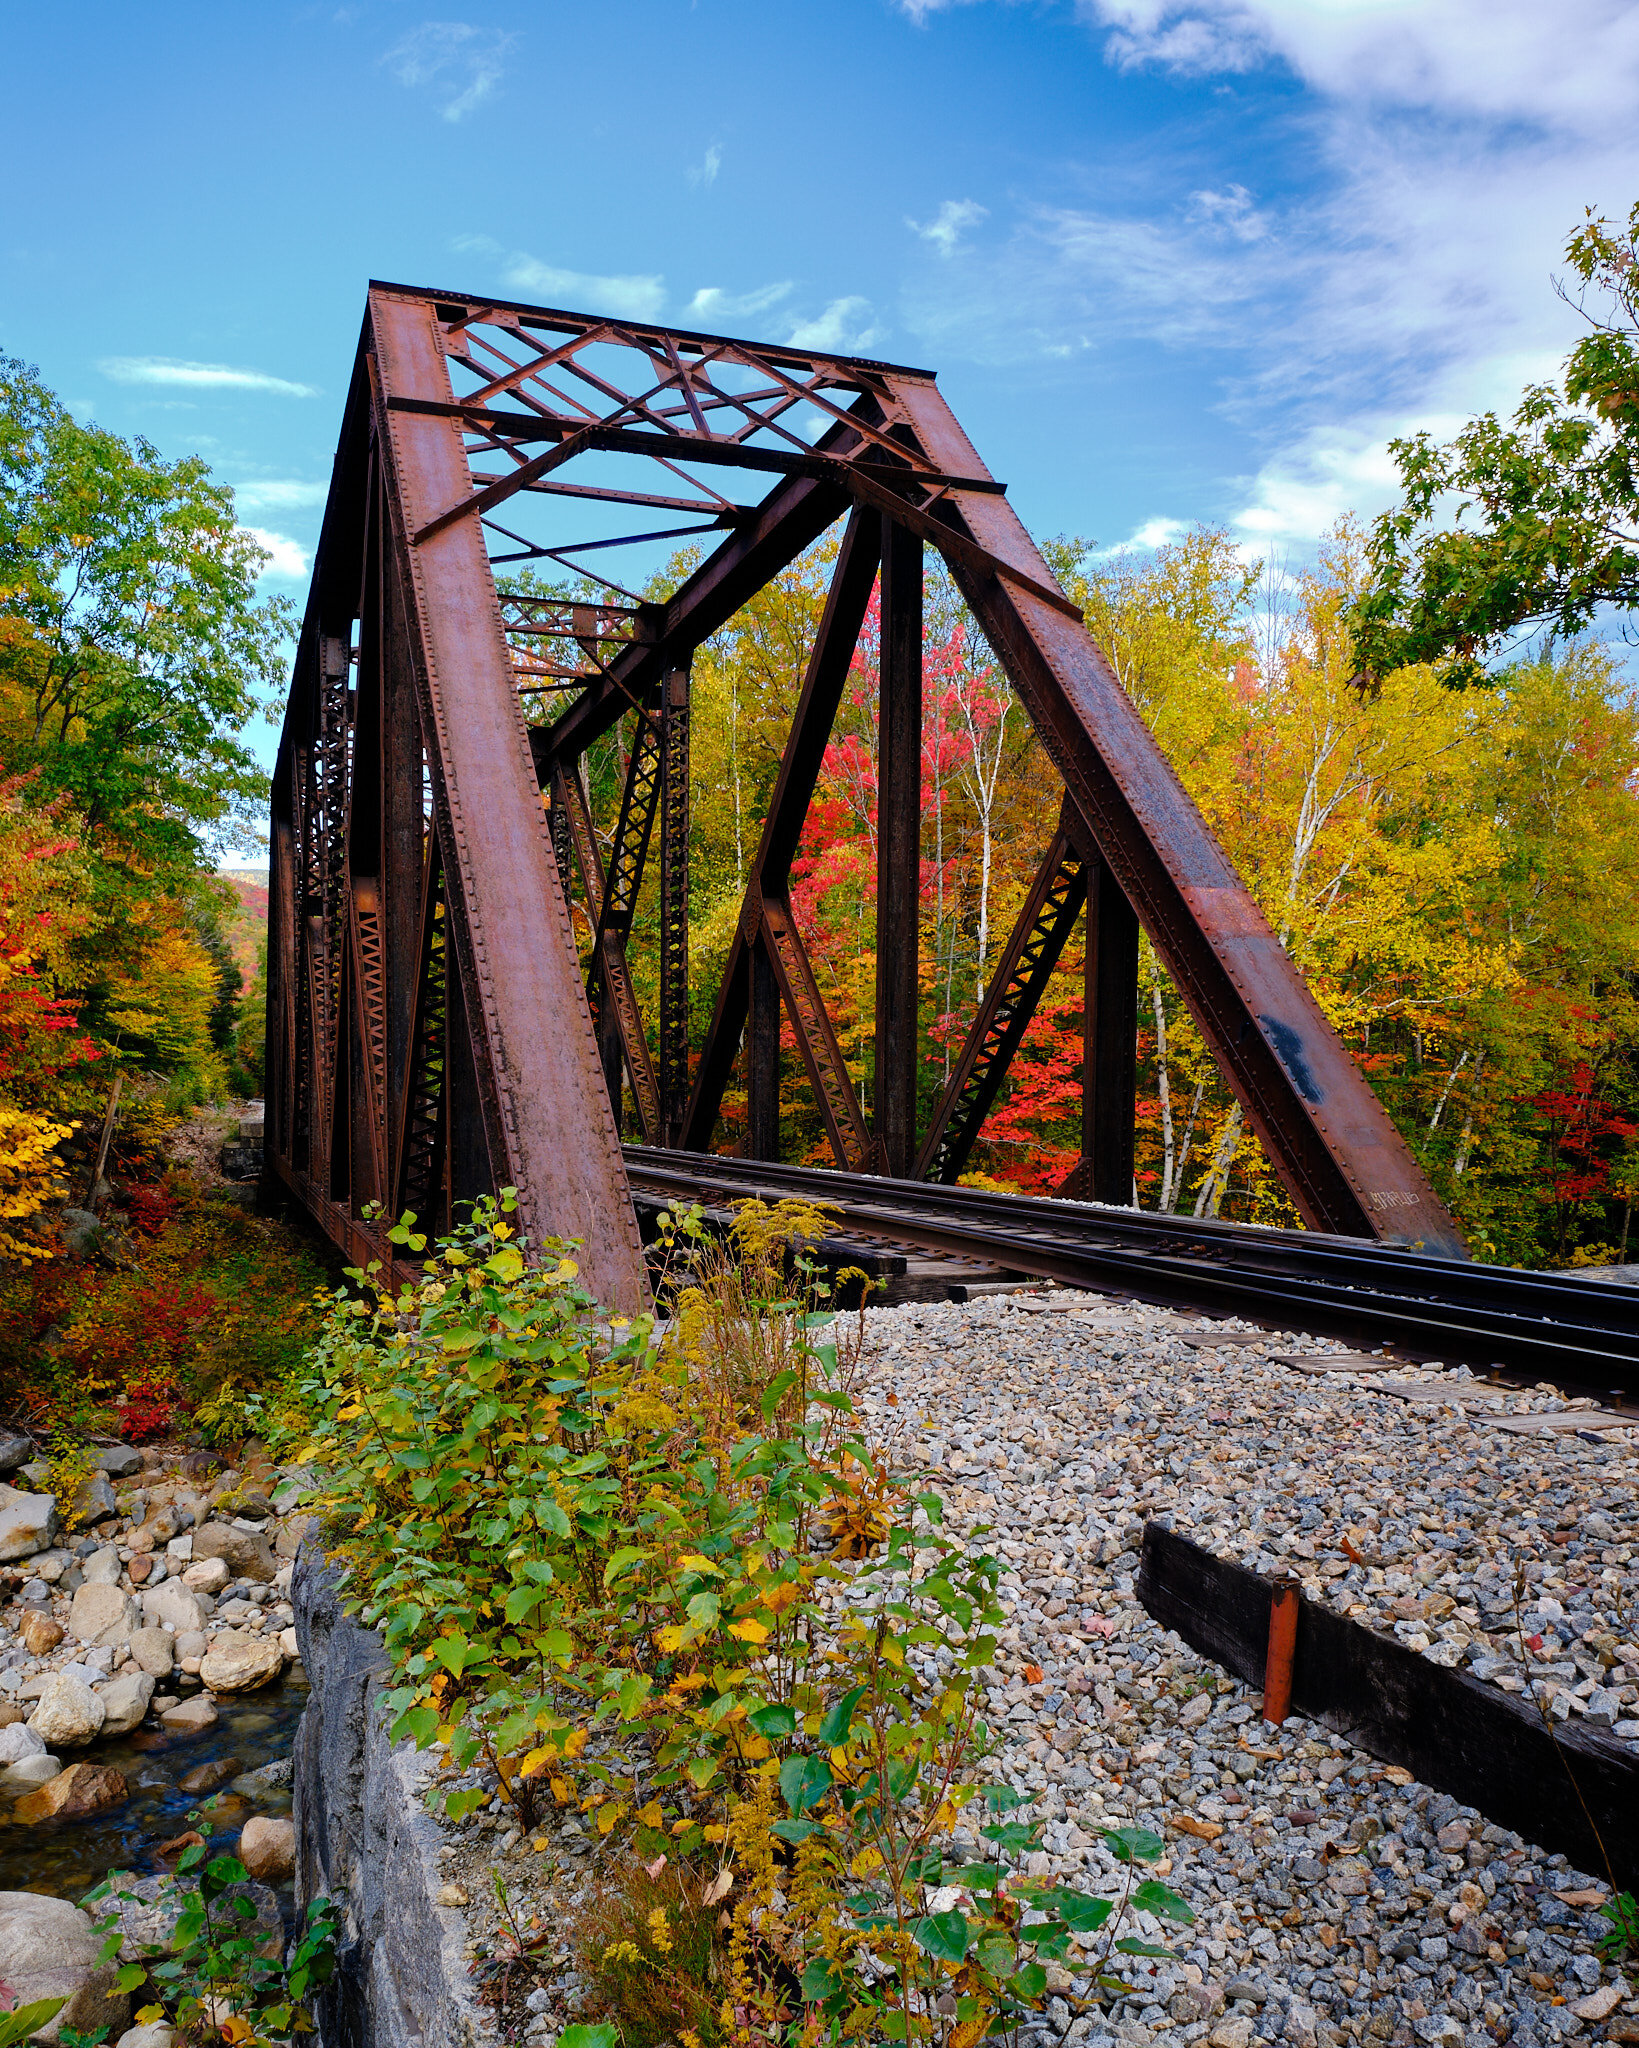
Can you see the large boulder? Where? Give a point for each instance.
(362, 1827)
(125, 1701)
(28, 1521)
(173, 1603)
(50, 1949)
(267, 1849)
(81, 1789)
(101, 1615)
(152, 1649)
(239, 1662)
(68, 1713)
(14, 1451)
(245, 1551)
(119, 1461)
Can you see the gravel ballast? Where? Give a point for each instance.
(1337, 1899)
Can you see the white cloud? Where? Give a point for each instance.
(278, 494)
(629, 298)
(710, 304)
(1232, 210)
(919, 10)
(199, 376)
(843, 329)
(458, 60)
(1574, 64)
(1154, 533)
(290, 558)
(949, 224)
(706, 173)
(1307, 487)
(1068, 281)
(1438, 154)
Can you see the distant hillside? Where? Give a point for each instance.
(247, 928)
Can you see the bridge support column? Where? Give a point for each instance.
(1109, 1066)
(898, 844)
(762, 1055)
(674, 905)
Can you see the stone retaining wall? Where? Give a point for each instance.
(363, 1833)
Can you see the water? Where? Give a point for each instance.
(66, 1858)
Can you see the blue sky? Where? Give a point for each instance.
(1174, 260)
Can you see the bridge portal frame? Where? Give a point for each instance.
(432, 1033)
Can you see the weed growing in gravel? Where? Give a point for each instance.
(598, 1556)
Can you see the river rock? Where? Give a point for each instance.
(291, 1532)
(100, 1615)
(267, 1778)
(28, 1521)
(147, 1908)
(14, 1451)
(246, 1553)
(119, 1461)
(267, 1849)
(209, 1777)
(28, 1774)
(94, 1499)
(18, 1740)
(152, 1651)
(239, 1662)
(267, 1930)
(81, 1789)
(68, 1712)
(173, 1603)
(251, 1503)
(102, 1567)
(157, 2034)
(40, 1632)
(125, 1701)
(50, 1949)
(191, 1717)
(209, 1575)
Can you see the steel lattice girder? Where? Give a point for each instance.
(410, 833)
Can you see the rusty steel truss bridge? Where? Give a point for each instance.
(434, 1029)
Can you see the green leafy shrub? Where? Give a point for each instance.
(217, 1980)
(666, 1577)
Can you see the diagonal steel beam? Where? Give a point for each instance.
(1330, 1140)
(824, 680)
(851, 1140)
(608, 972)
(1032, 952)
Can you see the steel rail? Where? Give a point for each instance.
(1524, 1323)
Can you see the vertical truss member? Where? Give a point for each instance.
(674, 904)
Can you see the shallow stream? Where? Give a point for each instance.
(66, 1858)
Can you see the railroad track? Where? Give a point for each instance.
(1530, 1326)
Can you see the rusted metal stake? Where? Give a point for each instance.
(1284, 1601)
